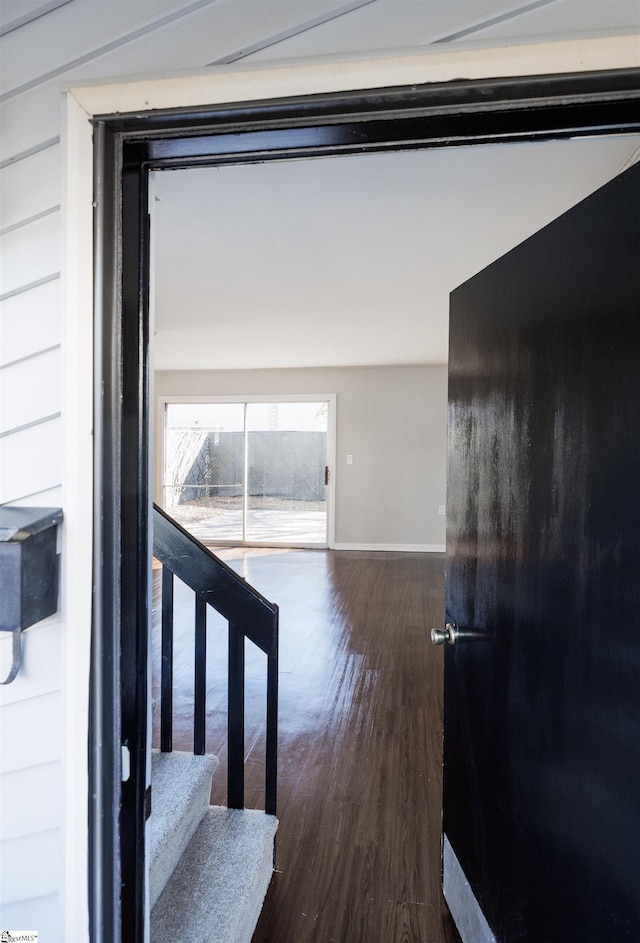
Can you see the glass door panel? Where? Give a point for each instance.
(286, 497)
(248, 472)
(204, 474)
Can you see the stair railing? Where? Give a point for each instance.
(249, 615)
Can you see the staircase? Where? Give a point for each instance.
(209, 866)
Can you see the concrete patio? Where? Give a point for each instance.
(274, 521)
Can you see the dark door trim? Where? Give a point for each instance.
(126, 148)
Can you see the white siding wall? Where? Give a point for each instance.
(31, 710)
(78, 42)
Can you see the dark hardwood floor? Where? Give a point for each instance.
(360, 744)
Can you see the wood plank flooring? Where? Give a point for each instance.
(360, 741)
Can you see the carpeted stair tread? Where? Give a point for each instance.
(217, 890)
(181, 788)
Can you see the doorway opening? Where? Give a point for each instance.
(127, 148)
(251, 471)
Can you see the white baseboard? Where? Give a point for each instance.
(394, 548)
(468, 917)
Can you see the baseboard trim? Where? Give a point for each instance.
(394, 548)
(468, 917)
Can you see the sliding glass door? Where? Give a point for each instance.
(249, 472)
(203, 486)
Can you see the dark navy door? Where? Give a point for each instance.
(542, 699)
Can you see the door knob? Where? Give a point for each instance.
(448, 634)
(452, 634)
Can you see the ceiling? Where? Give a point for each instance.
(349, 260)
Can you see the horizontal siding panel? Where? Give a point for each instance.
(30, 186)
(41, 669)
(32, 801)
(378, 26)
(32, 865)
(31, 733)
(30, 390)
(31, 461)
(13, 11)
(30, 119)
(198, 39)
(30, 253)
(79, 27)
(221, 29)
(30, 321)
(194, 40)
(51, 498)
(40, 913)
(563, 19)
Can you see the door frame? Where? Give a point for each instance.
(127, 147)
(330, 398)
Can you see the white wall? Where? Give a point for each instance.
(32, 708)
(392, 420)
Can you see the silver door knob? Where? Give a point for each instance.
(448, 634)
(452, 634)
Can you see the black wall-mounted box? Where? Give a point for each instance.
(28, 566)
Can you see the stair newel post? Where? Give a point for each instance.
(271, 772)
(235, 772)
(166, 669)
(200, 676)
